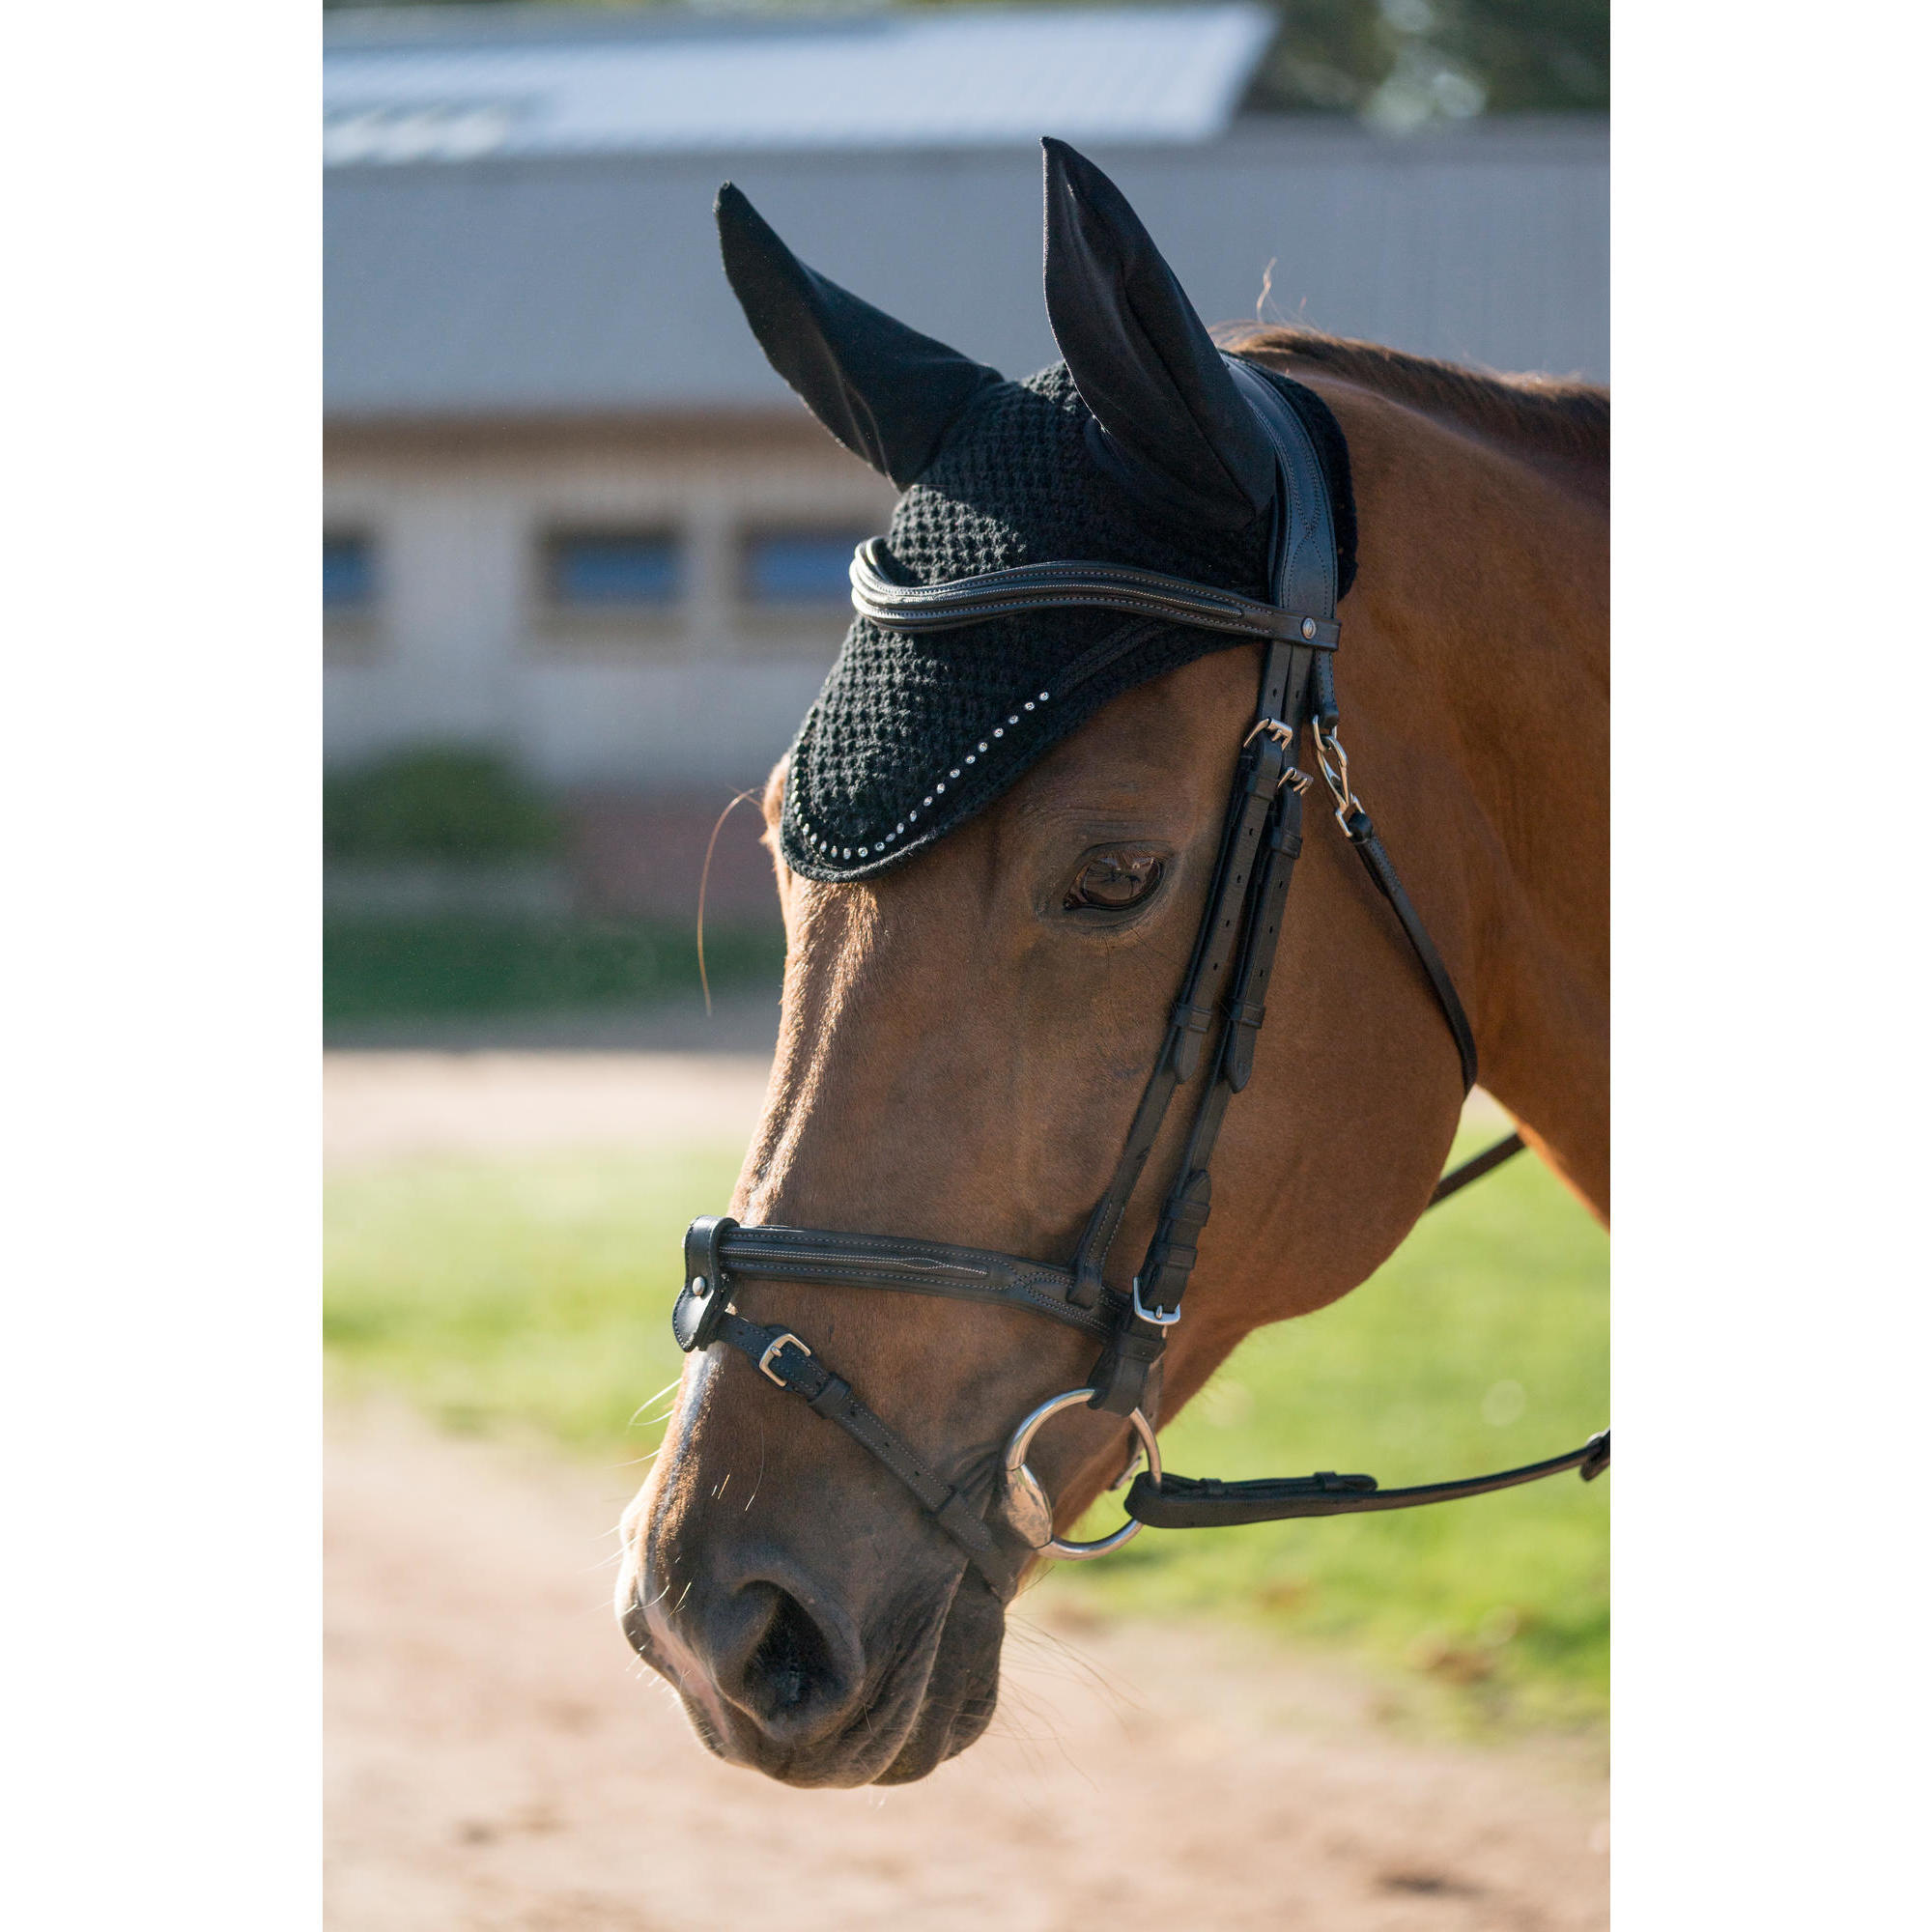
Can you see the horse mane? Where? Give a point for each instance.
(1558, 415)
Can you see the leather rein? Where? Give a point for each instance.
(1225, 987)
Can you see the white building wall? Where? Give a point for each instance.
(595, 285)
(589, 291)
(463, 644)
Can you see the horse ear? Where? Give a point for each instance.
(1172, 426)
(887, 392)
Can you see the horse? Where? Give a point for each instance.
(964, 1035)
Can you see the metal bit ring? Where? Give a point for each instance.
(1025, 1502)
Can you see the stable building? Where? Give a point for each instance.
(570, 511)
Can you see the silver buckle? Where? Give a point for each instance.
(1285, 735)
(1161, 1318)
(1329, 745)
(765, 1360)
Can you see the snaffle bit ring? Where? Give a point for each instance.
(1027, 1508)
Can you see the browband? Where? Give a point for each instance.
(1037, 586)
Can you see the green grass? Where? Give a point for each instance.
(431, 967)
(533, 1294)
(1483, 1343)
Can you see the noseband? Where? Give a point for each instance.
(1226, 986)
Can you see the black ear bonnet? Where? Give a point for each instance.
(1135, 450)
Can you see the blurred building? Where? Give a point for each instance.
(570, 510)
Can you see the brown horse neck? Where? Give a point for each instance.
(1474, 679)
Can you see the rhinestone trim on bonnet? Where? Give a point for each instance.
(880, 841)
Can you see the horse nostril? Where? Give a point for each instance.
(791, 1678)
(791, 1656)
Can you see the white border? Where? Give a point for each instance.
(162, 725)
(1771, 982)
(161, 1408)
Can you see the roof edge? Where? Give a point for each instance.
(457, 431)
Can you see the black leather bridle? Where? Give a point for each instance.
(1227, 981)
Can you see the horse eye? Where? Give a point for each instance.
(1112, 882)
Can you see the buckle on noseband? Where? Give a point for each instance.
(765, 1368)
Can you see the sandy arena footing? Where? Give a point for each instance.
(497, 1762)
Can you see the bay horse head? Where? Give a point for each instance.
(1005, 839)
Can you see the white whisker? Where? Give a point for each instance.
(668, 1388)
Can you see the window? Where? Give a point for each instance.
(615, 570)
(348, 572)
(800, 566)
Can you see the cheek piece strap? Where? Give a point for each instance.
(1209, 1047)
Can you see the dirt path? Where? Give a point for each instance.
(496, 1762)
(391, 1103)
